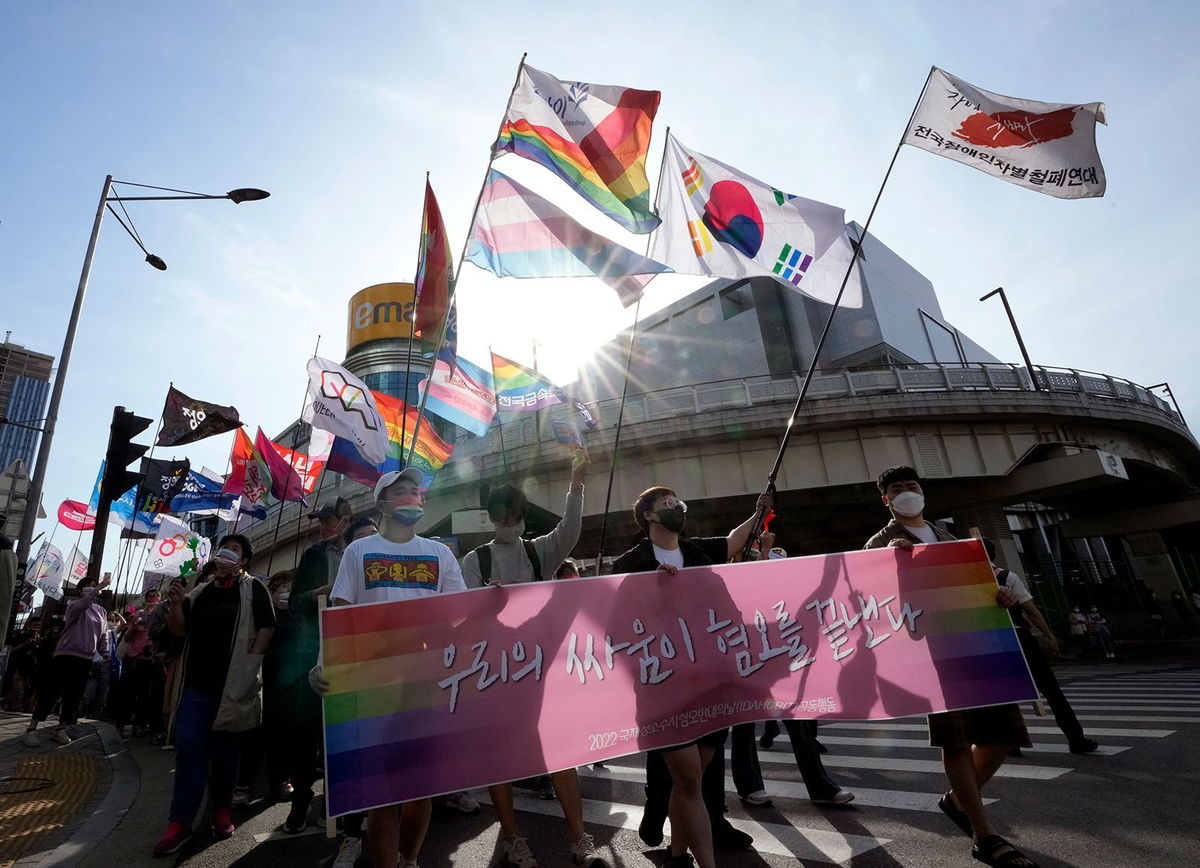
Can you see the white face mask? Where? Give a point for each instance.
(908, 504)
(511, 533)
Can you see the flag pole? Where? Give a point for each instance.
(499, 423)
(292, 466)
(300, 518)
(759, 512)
(412, 322)
(612, 470)
(462, 256)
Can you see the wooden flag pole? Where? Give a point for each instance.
(759, 512)
(292, 464)
(461, 257)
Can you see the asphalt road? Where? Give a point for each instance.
(1131, 803)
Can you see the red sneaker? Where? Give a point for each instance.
(173, 839)
(222, 826)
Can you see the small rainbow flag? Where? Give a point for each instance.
(593, 136)
(518, 388)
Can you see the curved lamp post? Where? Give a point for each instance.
(242, 194)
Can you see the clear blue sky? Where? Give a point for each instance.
(340, 109)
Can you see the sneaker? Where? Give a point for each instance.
(726, 837)
(222, 824)
(683, 860)
(841, 797)
(241, 797)
(1086, 745)
(173, 839)
(758, 798)
(348, 853)
(61, 735)
(30, 739)
(462, 803)
(546, 792)
(405, 862)
(296, 822)
(284, 792)
(515, 853)
(584, 853)
(650, 829)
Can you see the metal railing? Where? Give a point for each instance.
(700, 398)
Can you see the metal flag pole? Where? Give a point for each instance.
(499, 423)
(300, 517)
(292, 464)
(461, 257)
(759, 512)
(612, 470)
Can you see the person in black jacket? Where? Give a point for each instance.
(685, 782)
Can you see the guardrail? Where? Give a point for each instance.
(751, 391)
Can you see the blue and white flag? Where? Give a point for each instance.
(200, 493)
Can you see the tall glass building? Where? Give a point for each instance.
(24, 391)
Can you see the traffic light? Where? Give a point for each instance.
(121, 453)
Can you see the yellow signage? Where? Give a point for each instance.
(384, 310)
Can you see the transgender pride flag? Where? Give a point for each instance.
(517, 233)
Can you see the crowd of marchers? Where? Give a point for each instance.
(223, 669)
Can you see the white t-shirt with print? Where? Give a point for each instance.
(673, 557)
(376, 570)
(1017, 585)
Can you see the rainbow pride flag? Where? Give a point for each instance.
(571, 673)
(429, 457)
(517, 233)
(593, 136)
(432, 285)
(518, 388)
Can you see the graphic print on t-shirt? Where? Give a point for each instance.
(384, 570)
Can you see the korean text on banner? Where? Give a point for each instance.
(422, 689)
(1044, 146)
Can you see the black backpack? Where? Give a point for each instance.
(484, 553)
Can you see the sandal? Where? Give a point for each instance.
(994, 850)
(956, 814)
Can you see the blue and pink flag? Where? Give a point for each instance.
(464, 394)
(517, 233)
(422, 689)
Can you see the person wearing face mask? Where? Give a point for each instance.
(508, 559)
(976, 741)
(393, 565)
(698, 821)
(226, 625)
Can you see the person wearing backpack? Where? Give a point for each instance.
(508, 559)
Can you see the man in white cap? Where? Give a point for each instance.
(394, 564)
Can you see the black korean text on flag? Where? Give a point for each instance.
(161, 481)
(186, 420)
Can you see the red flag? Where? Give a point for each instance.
(433, 271)
(248, 476)
(76, 516)
(285, 481)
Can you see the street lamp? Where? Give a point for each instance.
(242, 194)
(1016, 331)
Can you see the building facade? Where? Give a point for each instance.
(24, 392)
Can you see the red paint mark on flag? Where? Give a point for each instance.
(1020, 129)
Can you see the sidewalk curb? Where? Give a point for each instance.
(122, 790)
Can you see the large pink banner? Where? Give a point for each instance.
(501, 683)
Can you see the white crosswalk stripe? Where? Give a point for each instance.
(1121, 709)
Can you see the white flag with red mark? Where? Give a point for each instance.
(1044, 146)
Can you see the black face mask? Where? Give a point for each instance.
(672, 518)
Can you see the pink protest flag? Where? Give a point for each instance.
(76, 516)
(422, 688)
(286, 483)
(1044, 146)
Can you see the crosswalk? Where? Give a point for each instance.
(1123, 707)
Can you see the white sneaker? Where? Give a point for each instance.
(515, 853)
(348, 853)
(462, 803)
(760, 798)
(61, 735)
(841, 797)
(30, 739)
(584, 853)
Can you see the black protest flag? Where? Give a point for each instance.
(161, 481)
(186, 420)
